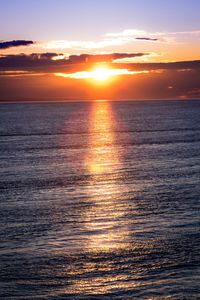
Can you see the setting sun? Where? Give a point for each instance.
(101, 74)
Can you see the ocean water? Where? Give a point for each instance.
(100, 200)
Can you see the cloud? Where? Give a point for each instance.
(124, 37)
(50, 62)
(146, 39)
(192, 32)
(108, 40)
(178, 66)
(21, 61)
(83, 58)
(83, 45)
(140, 33)
(127, 33)
(20, 73)
(14, 43)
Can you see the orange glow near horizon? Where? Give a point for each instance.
(102, 74)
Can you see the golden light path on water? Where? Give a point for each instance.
(103, 156)
(104, 221)
(101, 232)
(104, 218)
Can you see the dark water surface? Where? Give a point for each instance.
(100, 200)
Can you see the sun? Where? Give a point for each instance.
(100, 74)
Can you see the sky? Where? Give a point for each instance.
(94, 49)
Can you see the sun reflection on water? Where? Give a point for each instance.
(103, 153)
(104, 219)
(100, 232)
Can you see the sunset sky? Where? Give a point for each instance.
(99, 49)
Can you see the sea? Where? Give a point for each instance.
(100, 200)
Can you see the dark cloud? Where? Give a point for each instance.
(22, 61)
(82, 58)
(180, 65)
(146, 39)
(44, 62)
(47, 63)
(47, 55)
(14, 43)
